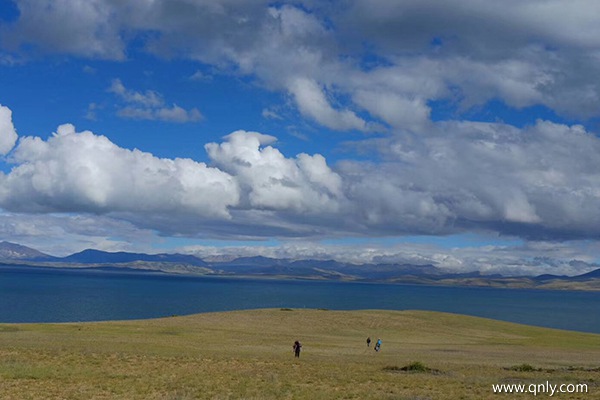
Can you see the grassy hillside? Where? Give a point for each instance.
(248, 354)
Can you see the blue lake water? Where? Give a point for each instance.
(40, 295)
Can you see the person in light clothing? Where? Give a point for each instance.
(378, 345)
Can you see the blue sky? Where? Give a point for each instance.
(462, 134)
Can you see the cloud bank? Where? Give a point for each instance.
(539, 182)
(385, 58)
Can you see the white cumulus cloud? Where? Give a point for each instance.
(272, 181)
(8, 134)
(538, 182)
(80, 171)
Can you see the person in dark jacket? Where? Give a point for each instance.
(297, 347)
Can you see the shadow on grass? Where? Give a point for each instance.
(414, 367)
(524, 368)
(529, 368)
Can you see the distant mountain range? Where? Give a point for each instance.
(12, 254)
(90, 256)
(12, 251)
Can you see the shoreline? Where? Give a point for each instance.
(510, 283)
(289, 309)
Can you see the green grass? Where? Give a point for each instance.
(248, 355)
(415, 366)
(524, 368)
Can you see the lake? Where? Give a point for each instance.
(42, 295)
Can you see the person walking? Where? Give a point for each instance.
(297, 347)
(369, 341)
(378, 345)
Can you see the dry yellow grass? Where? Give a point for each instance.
(248, 355)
